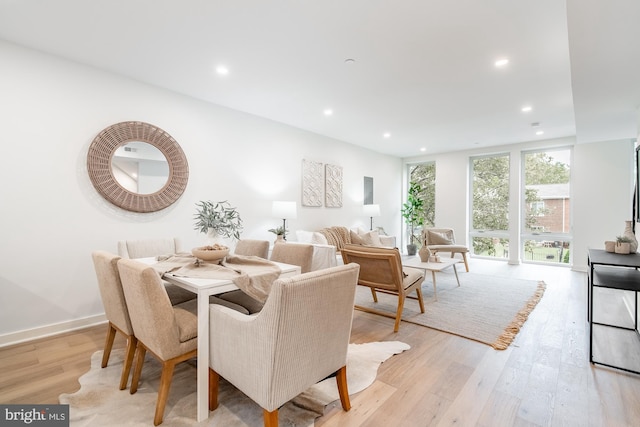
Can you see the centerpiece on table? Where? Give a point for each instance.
(218, 220)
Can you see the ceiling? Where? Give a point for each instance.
(421, 70)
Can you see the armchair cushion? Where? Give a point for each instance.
(439, 238)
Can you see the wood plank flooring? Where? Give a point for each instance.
(543, 379)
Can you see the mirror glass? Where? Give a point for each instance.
(140, 168)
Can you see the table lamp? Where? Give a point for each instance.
(371, 211)
(284, 210)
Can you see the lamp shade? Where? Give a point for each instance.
(284, 210)
(371, 210)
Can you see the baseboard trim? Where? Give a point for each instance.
(49, 330)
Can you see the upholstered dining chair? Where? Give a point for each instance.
(115, 308)
(247, 247)
(294, 254)
(250, 247)
(147, 248)
(381, 270)
(168, 332)
(300, 337)
(444, 240)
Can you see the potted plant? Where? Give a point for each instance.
(217, 220)
(279, 232)
(413, 213)
(623, 245)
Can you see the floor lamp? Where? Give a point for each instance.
(284, 210)
(371, 211)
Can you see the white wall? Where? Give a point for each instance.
(52, 217)
(601, 183)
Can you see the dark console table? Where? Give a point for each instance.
(612, 271)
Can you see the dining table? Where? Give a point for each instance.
(203, 288)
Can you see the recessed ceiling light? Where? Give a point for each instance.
(423, 149)
(328, 112)
(349, 61)
(540, 132)
(222, 70)
(526, 108)
(386, 135)
(501, 62)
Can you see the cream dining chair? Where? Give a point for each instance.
(115, 308)
(300, 337)
(168, 332)
(288, 253)
(250, 247)
(147, 248)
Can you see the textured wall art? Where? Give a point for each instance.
(312, 189)
(333, 186)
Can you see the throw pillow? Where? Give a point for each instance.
(304, 236)
(372, 238)
(436, 238)
(356, 239)
(318, 238)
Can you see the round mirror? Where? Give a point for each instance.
(137, 166)
(140, 167)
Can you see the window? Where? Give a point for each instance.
(546, 224)
(424, 175)
(490, 206)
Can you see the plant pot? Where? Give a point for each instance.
(610, 246)
(623, 248)
(279, 239)
(411, 249)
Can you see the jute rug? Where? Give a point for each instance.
(99, 402)
(484, 308)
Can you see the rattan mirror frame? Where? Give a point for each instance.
(102, 150)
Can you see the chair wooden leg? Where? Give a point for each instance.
(466, 264)
(165, 384)
(375, 296)
(420, 300)
(132, 342)
(270, 418)
(108, 344)
(343, 390)
(396, 326)
(214, 384)
(137, 371)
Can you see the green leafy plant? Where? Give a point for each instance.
(623, 239)
(279, 231)
(219, 218)
(413, 211)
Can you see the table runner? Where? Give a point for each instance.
(253, 275)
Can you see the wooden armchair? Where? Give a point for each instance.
(381, 270)
(444, 240)
(299, 338)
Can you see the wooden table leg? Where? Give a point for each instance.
(435, 293)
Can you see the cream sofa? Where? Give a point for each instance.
(328, 242)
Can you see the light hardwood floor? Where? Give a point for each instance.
(543, 379)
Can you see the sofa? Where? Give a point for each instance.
(329, 241)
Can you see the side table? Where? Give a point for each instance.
(612, 271)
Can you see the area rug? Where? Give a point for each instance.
(99, 402)
(484, 308)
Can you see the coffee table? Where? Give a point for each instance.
(433, 267)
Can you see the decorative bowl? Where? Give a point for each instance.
(210, 253)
